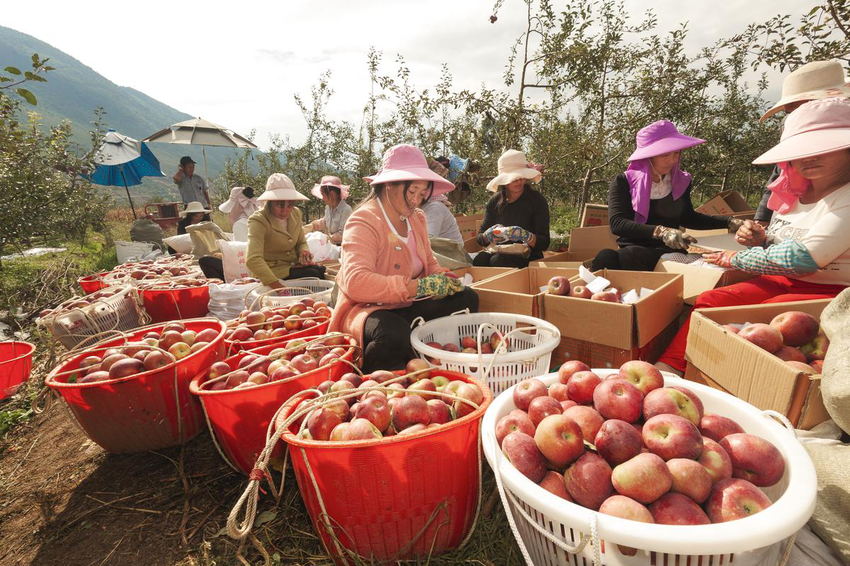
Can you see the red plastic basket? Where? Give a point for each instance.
(143, 411)
(165, 304)
(91, 283)
(15, 365)
(233, 346)
(398, 497)
(239, 419)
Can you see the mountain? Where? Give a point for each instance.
(74, 90)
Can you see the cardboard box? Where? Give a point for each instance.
(469, 225)
(725, 361)
(472, 246)
(592, 239)
(570, 260)
(599, 356)
(594, 215)
(698, 279)
(726, 203)
(481, 274)
(517, 291)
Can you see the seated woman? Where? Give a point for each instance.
(651, 201)
(241, 204)
(441, 221)
(194, 214)
(389, 276)
(516, 213)
(277, 248)
(333, 193)
(805, 252)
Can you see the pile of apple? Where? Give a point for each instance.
(382, 404)
(81, 302)
(794, 337)
(156, 350)
(560, 285)
(277, 322)
(653, 455)
(295, 358)
(469, 345)
(169, 266)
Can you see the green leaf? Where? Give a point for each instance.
(28, 96)
(265, 517)
(13, 70)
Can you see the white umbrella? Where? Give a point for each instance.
(201, 132)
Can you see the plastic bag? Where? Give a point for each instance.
(228, 300)
(181, 244)
(240, 230)
(233, 256)
(321, 247)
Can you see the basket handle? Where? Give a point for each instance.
(593, 538)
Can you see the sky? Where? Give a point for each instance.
(239, 65)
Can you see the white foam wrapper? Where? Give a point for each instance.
(544, 288)
(630, 298)
(644, 292)
(467, 279)
(585, 274)
(593, 283)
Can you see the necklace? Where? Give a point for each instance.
(401, 216)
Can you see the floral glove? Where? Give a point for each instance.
(722, 259)
(516, 234)
(672, 238)
(438, 286)
(493, 234)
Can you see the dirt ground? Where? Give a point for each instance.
(63, 500)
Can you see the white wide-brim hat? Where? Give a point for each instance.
(280, 187)
(513, 165)
(812, 81)
(192, 208)
(815, 128)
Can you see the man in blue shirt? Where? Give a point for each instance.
(192, 187)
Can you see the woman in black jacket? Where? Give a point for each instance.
(650, 202)
(515, 214)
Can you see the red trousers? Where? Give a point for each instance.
(761, 290)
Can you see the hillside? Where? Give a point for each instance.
(74, 90)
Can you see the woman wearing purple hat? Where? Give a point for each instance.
(805, 252)
(650, 202)
(333, 193)
(389, 276)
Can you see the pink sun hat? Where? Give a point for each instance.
(330, 181)
(659, 138)
(405, 162)
(816, 127)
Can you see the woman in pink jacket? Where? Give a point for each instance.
(389, 276)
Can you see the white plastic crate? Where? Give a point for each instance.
(542, 518)
(295, 290)
(531, 343)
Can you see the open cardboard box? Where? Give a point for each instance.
(592, 239)
(725, 361)
(468, 225)
(518, 291)
(594, 215)
(471, 245)
(698, 279)
(481, 274)
(571, 260)
(727, 203)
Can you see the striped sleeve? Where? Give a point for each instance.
(789, 258)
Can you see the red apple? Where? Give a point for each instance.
(157, 359)
(526, 390)
(375, 410)
(618, 399)
(382, 376)
(790, 354)
(553, 482)
(581, 292)
(560, 440)
(321, 422)
(715, 460)
(669, 401)
(89, 362)
(410, 410)
(716, 427)
(439, 411)
(671, 436)
(732, 329)
(236, 378)
(734, 499)
(304, 363)
(817, 365)
(516, 420)
(677, 509)
(567, 369)
(354, 378)
(470, 392)
(558, 391)
(690, 478)
(644, 478)
(126, 368)
(169, 338)
(817, 348)
(589, 480)
(98, 375)
(423, 388)
(468, 342)
(558, 285)
(581, 385)
(567, 404)
(587, 418)
(754, 459)
(606, 296)
(339, 432)
(109, 361)
(693, 397)
(451, 347)
(180, 350)
(617, 441)
(521, 451)
(806, 368)
(762, 335)
(797, 328)
(418, 365)
(361, 429)
(543, 406)
(626, 508)
(240, 334)
(340, 407)
(643, 375)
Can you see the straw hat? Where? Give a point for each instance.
(659, 138)
(405, 162)
(512, 165)
(330, 181)
(812, 81)
(280, 187)
(815, 128)
(192, 208)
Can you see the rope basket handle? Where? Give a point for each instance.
(264, 294)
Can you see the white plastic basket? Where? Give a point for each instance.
(555, 532)
(531, 343)
(119, 312)
(296, 289)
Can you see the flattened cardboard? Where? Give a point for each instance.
(748, 372)
(517, 291)
(725, 204)
(594, 215)
(570, 260)
(698, 279)
(720, 242)
(592, 239)
(614, 324)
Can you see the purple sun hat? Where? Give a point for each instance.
(659, 138)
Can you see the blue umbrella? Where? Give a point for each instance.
(124, 161)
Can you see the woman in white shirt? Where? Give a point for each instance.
(333, 193)
(441, 221)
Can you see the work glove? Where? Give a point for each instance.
(438, 286)
(516, 234)
(493, 233)
(672, 238)
(722, 259)
(733, 224)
